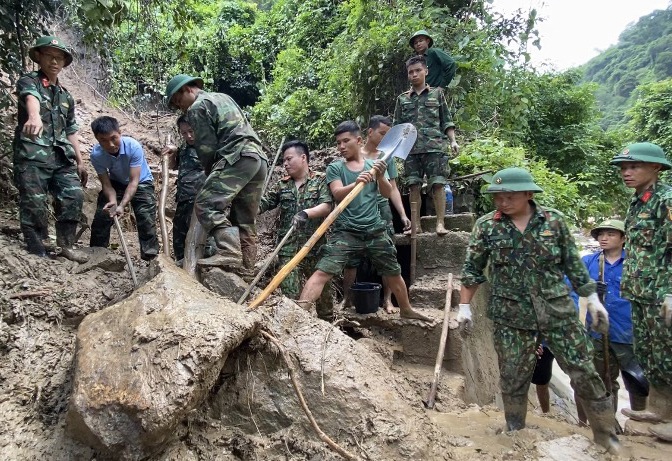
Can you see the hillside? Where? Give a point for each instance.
(642, 55)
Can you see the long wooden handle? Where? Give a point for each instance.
(298, 257)
(129, 261)
(162, 205)
(272, 166)
(442, 345)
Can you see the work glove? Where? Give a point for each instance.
(300, 219)
(601, 289)
(464, 316)
(598, 314)
(666, 310)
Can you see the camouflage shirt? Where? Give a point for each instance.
(221, 130)
(648, 229)
(429, 112)
(292, 200)
(526, 270)
(190, 175)
(57, 110)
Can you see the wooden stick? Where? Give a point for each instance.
(268, 263)
(129, 261)
(162, 205)
(415, 222)
(442, 345)
(29, 294)
(272, 166)
(469, 176)
(292, 375)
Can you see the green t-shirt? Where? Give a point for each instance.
(361, 215)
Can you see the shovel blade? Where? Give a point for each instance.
(398, 142)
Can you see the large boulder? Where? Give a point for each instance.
(142, 365)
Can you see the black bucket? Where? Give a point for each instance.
(366, 297)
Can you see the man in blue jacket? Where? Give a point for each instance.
(606, 267)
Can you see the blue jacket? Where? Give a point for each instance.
(620, 319)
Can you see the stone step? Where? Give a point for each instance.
(456, 222)
(429, 291)
(438, 255)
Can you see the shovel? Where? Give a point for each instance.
(129, 261)
(268, 263)
(398, 142)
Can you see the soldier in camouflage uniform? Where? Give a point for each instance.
(126, 180)
(440, 65)
(47, 158)
(304, 199)
(190, 179)
(529, 249)
(235, 164)
(427, 109)
(359, 229)
(646, 280)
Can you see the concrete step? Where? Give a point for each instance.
(438, 255)
(429, 291)
(456, 222)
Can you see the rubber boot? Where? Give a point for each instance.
(657, 407)
(660, 401)
(515, 412)
(229, 254)
(637, 402)
(581, 414)
(33, 240)
(65, 238)
(440, 209)
(601, 417)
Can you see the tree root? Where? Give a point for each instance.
(292, 375)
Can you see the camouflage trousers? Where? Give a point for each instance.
(343, 248)
(653, 344)
(181, 222)
(621, 356)
(291, 286)
(35, 181)
(144, 208)
(231, 196)
(572, 349)
(432, 164)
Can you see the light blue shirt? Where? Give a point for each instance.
(118, 168)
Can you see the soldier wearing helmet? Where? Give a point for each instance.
(529, 249)
(646, 278)
(47, 159)
(439, 63)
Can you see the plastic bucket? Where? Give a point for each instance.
(366, 297)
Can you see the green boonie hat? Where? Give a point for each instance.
(178, 82)
(49, 41)
(512, 180)
(642, 152)
(614, 224)
(419, 33)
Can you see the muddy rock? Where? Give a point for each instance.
(365, 407)
(101, 258)
(226, 284)
(142, 365)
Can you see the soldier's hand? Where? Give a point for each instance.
(111, 208)
(169, 150)
(455, 147)
(365, 177)
(33, 128)
(406, 222)
(666, 310)
(598, 314)
(601, 289)
(381, 167)
(300, 219)
(83, 174)
(464, 316)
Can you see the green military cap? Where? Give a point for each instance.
(49, 41)
(614, 224)
(642, 152)
(178, 82)
(512, 180)
(418, 34)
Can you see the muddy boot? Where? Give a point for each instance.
(583, 419)
(229, 255)
(249, 260)
(515, 412)
(662, 431)
(660, 402)
(65, 238)
(33, 240)
(601, 417)
(440, 208)
(637, 402)
(659, 405)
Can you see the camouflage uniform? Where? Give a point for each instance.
(429, 112)
(233, 159)
(190, 179)
(48, 163)
(646, 279)
(530, 299)
(290, 200)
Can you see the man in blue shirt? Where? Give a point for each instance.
(124, 174)
(611, 236)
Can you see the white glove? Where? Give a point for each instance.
(666, 310)
(464, 316)
(599, 314)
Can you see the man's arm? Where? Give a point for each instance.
(446, 121)
(33, 127)
(395, 198)
(270, 200)
(81, 169)
(448, 67)
(384, 186)
(396, 120)
(320, 211)
(110, 193)
(171, 151)
(134, 180)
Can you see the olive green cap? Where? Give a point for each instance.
(178, 82)
(512, 180)
(642, 152)
(614, 224)
(49, 41)
(419, 33)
